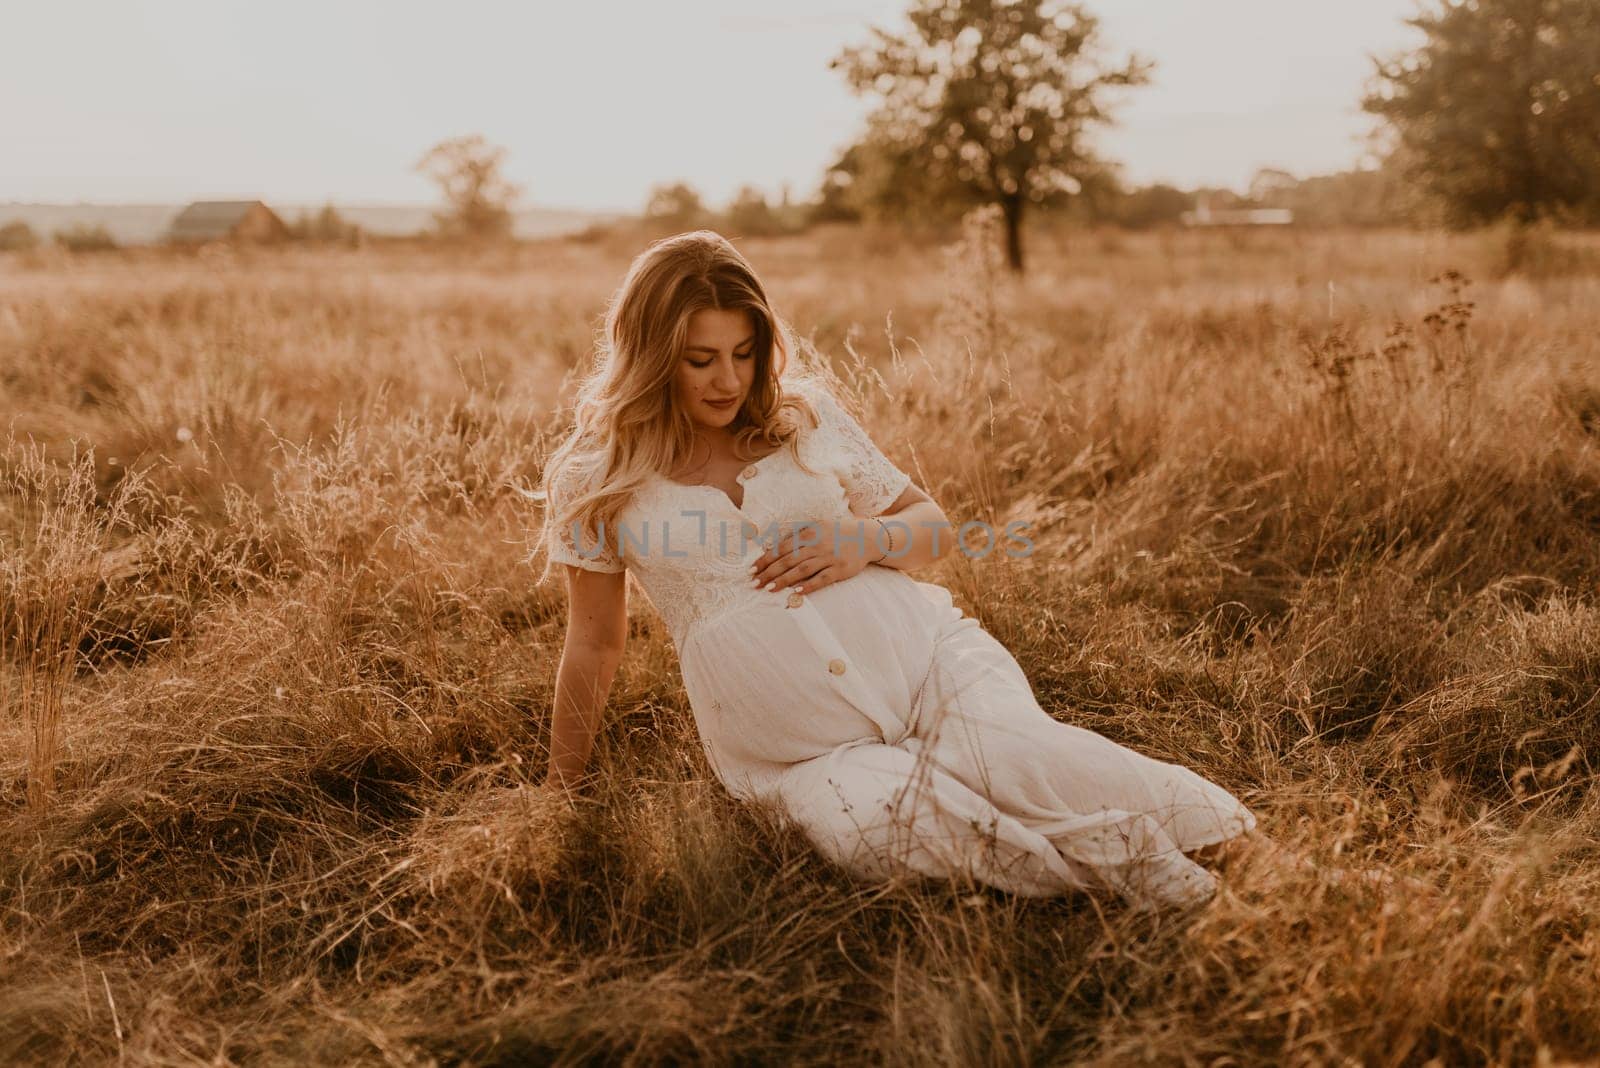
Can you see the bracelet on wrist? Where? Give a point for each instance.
(886, 539)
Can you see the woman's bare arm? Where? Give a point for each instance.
(597, 630)
(916, 527)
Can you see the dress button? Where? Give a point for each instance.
(750, 529)
(749, 472)
(836, 666)
(795, 599)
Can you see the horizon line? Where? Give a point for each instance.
(317, 202)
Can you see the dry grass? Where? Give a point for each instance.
(275, 677)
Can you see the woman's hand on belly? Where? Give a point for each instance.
(817, 553)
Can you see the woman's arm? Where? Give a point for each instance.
(914, 532)
(597, 630)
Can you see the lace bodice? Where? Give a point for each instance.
(690, 547)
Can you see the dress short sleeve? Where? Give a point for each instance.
(871, 480)
(563, 544)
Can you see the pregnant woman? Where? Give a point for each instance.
(776, 540)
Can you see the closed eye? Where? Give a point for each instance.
(737, 356)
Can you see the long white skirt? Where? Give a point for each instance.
(902, 737)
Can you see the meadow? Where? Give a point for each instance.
(1317, 514)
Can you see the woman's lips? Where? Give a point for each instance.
(730, 402)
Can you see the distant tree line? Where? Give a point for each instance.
(677, 206)
(326, 226)
(1357, 198)
(18, 236)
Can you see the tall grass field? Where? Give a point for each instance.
(1316, 514)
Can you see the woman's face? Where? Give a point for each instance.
(718, 364)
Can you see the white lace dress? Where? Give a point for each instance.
(890, 726)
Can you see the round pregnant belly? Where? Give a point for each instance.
(776, 684)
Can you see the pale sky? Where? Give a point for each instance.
(296, 101)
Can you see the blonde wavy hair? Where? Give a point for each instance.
(628, 424)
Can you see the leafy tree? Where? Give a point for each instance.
(1270, 185)
(1353, 198)
(836, 197)
(881, 177)
(85, 237)
(989, 96)
(326, 225)
(675, 206)
(467, 171)
(1497, 113)
(17, 236)
(1151, 205)
(750, 215)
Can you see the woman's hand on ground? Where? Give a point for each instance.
(814, 554)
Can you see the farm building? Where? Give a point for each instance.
(227, 220)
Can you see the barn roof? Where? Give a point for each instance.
(211, 218)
